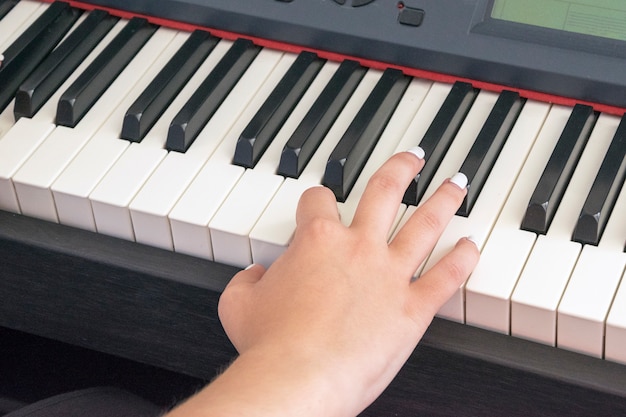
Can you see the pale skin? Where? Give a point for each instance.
(325, 329)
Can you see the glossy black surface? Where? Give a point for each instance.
(6, 6)
(486, 149)
(198, 110)
(259, 133)
(439, 137)
(559, 170)
(93, 82)
(155, 99)
(604, 191)
(305, 140)
(354, 148)
(57, 67)
(32, 47)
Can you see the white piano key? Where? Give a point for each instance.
(274, 230)
(112, 196)
(151, 206)
(211, 188)
(229, 234)
(28, 134)
(492, 198)
(587, 300)
(489, 288)
(542, 282)
(71, 190)
(426, 114)
(615, 333)
(584, 308)
(32, 182)
(6, 119)
(190, 217)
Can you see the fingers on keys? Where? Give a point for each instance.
(438, 284)
(379, 203)
(317, 203)
(420, 233)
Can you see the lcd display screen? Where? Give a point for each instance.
(602, 18)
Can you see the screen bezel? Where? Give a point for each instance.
(547, 36)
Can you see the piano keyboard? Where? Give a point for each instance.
(546, 198)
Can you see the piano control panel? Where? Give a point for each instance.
(454, 38)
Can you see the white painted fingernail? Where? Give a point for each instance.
(460, 180)
(417, 151)
(474, 240)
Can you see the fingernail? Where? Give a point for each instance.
(460, 180)
(417, 151)
(474, 240)
(249, 267)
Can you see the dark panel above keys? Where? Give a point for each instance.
(76, 101)
(307, 137)
(604, 191)
(57, 67)
(199, 109)
(155, 99)
(32, 46)
(259, 133)
(459, 38)
(486, 149)
(559, 170)
(439, 137)
(355, 146)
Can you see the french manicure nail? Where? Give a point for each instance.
(249, 267)
(417, 151)
(460, 180)
(474, 240)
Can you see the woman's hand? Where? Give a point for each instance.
(327, 327)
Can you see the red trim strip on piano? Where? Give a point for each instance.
(533, 95)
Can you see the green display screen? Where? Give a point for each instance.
(603, 18)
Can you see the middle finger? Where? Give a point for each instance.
(420, 233)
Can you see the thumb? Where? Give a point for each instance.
(234, 297)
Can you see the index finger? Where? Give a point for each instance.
(379, 203)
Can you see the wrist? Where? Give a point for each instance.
(269, 382)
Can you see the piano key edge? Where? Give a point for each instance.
(117, 297)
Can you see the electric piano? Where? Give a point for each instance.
(149, 150)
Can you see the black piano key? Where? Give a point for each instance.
(354, 148)
(55, 69)
(604, 191)
(6, 6)
(307, 137)
(93, 82)
(155, 99)
(266, 123)
(196, 113)
(488, 145)
(559, 170)
(439, 136)
(23, 56)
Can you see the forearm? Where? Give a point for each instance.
(262, 385)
